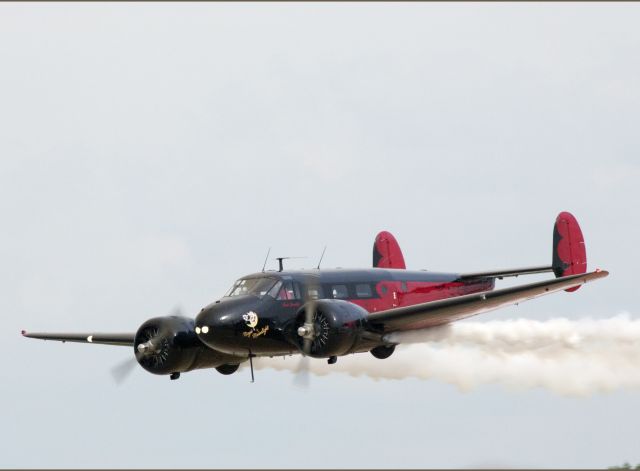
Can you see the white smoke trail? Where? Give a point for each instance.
(569, 357)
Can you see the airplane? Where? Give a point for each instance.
(329, 313)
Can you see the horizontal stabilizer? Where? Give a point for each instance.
(505, 273)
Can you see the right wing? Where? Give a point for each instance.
(125, 340)
(444, 311)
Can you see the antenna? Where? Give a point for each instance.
(265, 260)
(280, 259)
(251, 355)
(321, 257)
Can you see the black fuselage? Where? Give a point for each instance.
(260, 320)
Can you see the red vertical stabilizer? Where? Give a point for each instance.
(569, 251)
(386, 252)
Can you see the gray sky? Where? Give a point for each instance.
(149, 155)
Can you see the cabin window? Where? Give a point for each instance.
(288, 291)
(363, 290)
(403, 287)
(339, 292)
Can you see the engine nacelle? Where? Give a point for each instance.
(165, 345)
(337, 326)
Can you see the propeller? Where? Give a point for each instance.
(307, 332)
(176, 311)
(301, 373)
(152, 347)
(123, 370)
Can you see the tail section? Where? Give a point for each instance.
(569, 251)
(386, 252)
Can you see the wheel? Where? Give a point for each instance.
(383, 352)
(227, 369)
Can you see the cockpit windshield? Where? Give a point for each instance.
(255, 286)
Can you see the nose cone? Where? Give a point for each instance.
(229, 325)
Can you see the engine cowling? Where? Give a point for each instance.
(165, 345)
(337, 326)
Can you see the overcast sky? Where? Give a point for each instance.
(151, 153)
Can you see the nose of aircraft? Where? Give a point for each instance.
(221, 325)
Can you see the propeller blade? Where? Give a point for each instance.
(301, 373)
(306, 346)
(176, 311)
(308, 312)
(307, 342)
(123, 370)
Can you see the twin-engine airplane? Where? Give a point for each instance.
(330, 313)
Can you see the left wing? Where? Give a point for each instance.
(440, 312)
(125, 340)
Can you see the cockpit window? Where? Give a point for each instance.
(273, 292)
(255, 286)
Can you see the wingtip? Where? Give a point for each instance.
(23, 332)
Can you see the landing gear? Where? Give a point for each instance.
(174, 376)
(227, 369)
(332, 360)
(383, 351)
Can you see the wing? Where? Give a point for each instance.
(440, 312)
(125, 340)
